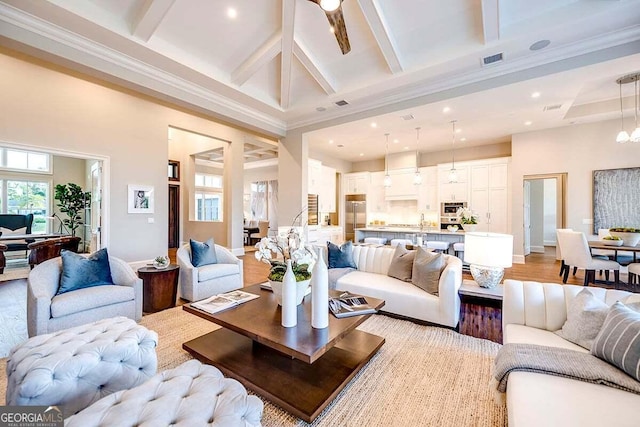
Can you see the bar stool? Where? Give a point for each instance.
(438, 246)
(457, 248)
(634, 274)
(376, 240)
(403, 242)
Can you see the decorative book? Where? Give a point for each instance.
(350, 305)
(224, 301)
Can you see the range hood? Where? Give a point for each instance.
(402, 168)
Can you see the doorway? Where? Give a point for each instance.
(174, 215)
(544, 210)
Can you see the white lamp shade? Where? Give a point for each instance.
(417, 178)
(635, 135)
(329, 5)
(623, 137)
(387, 181)
(488, 249)
(453, 175)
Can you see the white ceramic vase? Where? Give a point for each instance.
(469, 227)
(320, 293)
(301, 290)
(289, 306)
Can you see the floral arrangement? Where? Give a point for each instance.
(466, 216)
(161, 261)
(290, 246)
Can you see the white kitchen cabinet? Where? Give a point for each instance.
(327, 190)
(356, 183)
(314, 175)
(402, 187)
(453, 191)
(428, 190)
(376, 202)
(489, 194)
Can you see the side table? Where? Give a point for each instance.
(481, 311)
(160, 287)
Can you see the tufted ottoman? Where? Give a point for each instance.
(75, 367)
(190, 395)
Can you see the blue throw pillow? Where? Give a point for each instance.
(80, 272)
(203, 253)
(341, 257)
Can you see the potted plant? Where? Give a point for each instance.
(467, 218)
(72, 201)
(629, 235)
(275, 251)
(161, 262)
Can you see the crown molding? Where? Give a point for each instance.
(40, 34)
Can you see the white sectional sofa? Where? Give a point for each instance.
(531, 312)
(404, 298)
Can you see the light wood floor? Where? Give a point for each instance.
(538, 267)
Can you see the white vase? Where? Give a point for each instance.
(301, 290)
(289, 294)
(469, 227)
(320, 293)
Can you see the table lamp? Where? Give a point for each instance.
(488, 254)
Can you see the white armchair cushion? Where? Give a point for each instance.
(214, 271)
(90, 298)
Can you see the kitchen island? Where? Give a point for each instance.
(389, 233)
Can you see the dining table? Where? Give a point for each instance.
(598, 244)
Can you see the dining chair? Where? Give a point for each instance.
(576, 253)
(634, 275)
(563, 265)
(263, 229)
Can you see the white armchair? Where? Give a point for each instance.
(48, 312)
(197, 283)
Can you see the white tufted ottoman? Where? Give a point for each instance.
(75, 367)
(190, 395)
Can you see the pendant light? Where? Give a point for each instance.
(623, 136)
(387, 178)
(417, 178)
(453, 174)
(635, 135)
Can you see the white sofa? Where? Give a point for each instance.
(404, 298)
(531, 312)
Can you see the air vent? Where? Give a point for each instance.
(407, 117)
(342, 103)
(552, 107)
(488, 60)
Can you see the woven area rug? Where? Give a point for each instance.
(422, 376)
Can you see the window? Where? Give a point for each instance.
(24, 197)
(23, 160)
(208, 197)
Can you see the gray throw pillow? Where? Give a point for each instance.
(203, 253)
(619, 340)
(427, 268)
(585, 316)
(401, 264)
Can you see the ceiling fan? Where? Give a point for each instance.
(333, 10)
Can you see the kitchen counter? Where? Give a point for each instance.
(408, 230)
(390, 233)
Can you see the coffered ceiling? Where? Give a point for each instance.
(274, 65)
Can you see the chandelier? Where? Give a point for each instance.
(623, 135)
(417, 178)
(453, 174)
(387, 177)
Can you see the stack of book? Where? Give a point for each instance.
(224, 301)
(347, 305)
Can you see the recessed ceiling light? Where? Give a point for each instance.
(535, 95)
(458, 130)
(446, 110)
(395, 141)
(361, 154)
(374, 125)
(527, 123)
(463, 139)
(232, 13)
(331, 141)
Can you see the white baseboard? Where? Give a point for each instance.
(518, 259)
(238, 251)
(537, 249)
(550, 243)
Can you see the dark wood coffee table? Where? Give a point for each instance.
(301, 369)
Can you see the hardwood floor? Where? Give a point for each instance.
(539, 267)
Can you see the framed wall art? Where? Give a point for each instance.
(140, 198)
(616, 198)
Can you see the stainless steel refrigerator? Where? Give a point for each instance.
(355, 214)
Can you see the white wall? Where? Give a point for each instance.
(577, 150)
(47, 108)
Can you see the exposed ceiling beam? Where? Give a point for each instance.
(311, 65)
(149, 16)
(381, 33)
(260, 57)
(491, 20)
(288, 15)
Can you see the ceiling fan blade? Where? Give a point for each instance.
(336, 19)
